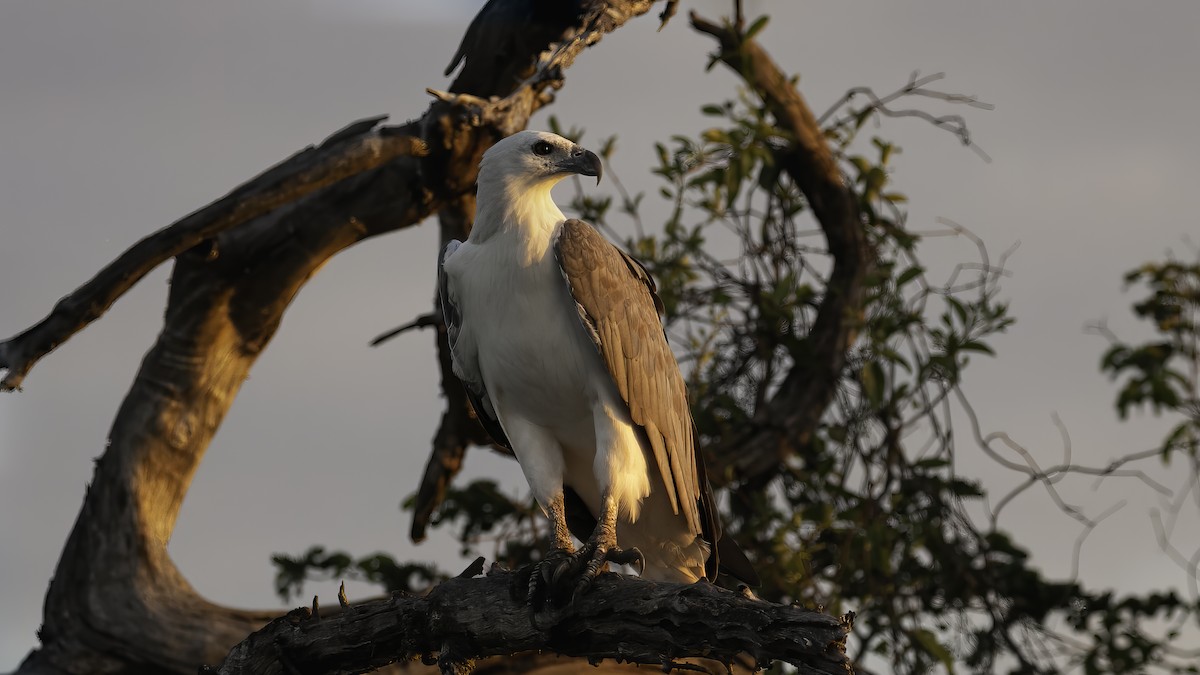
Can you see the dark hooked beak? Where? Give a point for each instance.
(582, 162)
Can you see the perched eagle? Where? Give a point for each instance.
(556, 334)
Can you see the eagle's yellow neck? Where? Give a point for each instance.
(523, 213)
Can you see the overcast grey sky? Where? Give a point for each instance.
(118, 117)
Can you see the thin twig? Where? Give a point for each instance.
(429, 320)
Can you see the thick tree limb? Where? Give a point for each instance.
(358, 148)
(795, 410)
(464, 619)
(116, 596)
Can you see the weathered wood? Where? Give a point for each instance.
(117, 599)
(464, 619)
(354, 150)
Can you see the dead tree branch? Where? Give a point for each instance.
(358, 148)
(464, 619)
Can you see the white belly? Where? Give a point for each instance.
(521, 332)
(535, 358)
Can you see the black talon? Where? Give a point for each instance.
(559, 574)
(521, 582)
(597, 557)
(630, 556)
(564, 574)
(545, 578)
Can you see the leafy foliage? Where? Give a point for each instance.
(1164, 373)
(378, 568)
(482, 512)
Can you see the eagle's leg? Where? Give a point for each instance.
(602, 548)
(560, 559)
(558, 520)
(565, 573)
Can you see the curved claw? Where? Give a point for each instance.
(601, 555)
(561, 572)
(564, 575)
(547, 575)
(629, 556)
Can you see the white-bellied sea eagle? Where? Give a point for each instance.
(556, 335)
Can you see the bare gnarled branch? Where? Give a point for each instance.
(621, 618)
(359, 147)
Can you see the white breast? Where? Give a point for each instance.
(522, 333)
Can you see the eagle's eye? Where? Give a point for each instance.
(542, 148)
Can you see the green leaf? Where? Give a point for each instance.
(861, 164)
(873, 383)
(759, 24)
(976, 346)
(960, 310)
(909, 274)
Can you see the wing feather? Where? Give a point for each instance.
(619, 309)
(660, 450)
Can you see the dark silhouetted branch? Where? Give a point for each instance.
(464, 619)
(431, 320)
(916, 86)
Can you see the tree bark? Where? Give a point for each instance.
(465, 619)
(117, 603)
(358, 148)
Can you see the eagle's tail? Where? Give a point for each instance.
(732, 561)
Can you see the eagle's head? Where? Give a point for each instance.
(529, 159)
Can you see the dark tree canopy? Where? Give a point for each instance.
(822, 361)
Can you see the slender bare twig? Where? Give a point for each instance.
(915, 87)
(430, 320)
